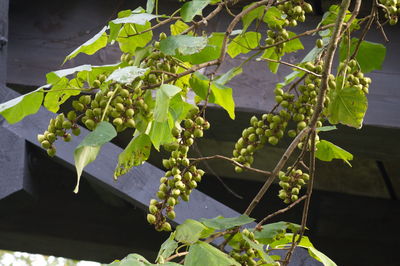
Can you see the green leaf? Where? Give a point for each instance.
(202, 253)
(178, 27)
(58, 94)
(269, 231)
(150, 6)
(87, 151)
(242, 44)
(182, 44)
(160, 133)
(274, 17)
(270, 53)
(210, 52)
(326, 128)
(293, 45)
(127, 75)
(129, 38)
(167, 248)
(135, 18)
(191, 231)
(370, 55)
(256, 13)
(233, 72)
(137, 152)
(190, 9)
(220, 94)
(178, 108)
(291, 77)
(91, 46)
(347, 106)
(318, 255)
(221, 223)
(163, 97)
(16, 109)
(327, 151)
(54, 76)
(260, 250)
(132, 260)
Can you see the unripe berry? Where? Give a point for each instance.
(151, 219)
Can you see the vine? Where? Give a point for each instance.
(148, 91)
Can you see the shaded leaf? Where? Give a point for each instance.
(326, 128)
(135, 18)
(221, 223)
(256, 13)
(260, 250)
(327, 151)
(274, 17)
(87, 151)
(127, 74)
(182, 44)
(347, 106)
(233, 72)
(210, 52)
(202, 253)
(269, 231)
(91, 46)
(150, 6)
(129, 38)
(190, 9)
(167, 248)
(191, 231)
(178, 27)
(137, 152)
(178, 108)
(160, 133)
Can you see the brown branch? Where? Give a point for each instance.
(276, 170)
(291, 65)
(280, 211)
(197, 160)
(177, 255)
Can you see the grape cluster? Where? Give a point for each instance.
(354, 76)
(295, 10)
(392, 10)
(58, 127)
(291, 184)
(242, 252)
(181, 177)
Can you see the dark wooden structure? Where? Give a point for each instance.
(354, 211)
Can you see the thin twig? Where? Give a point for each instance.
(291, 65)
(177, 255)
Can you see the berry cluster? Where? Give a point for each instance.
(354, 77)
(242, 252)
(291, 184)
(181, 177)
(392, 10)
(58, 127)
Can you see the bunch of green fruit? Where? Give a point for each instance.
(291, 183)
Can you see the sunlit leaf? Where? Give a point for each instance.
(221, 223)
(182, 44)
(210, 52)
(167, 248)
(233, 72)
(163, 97)
(202, 253)
(190, 9)
(191, 230)
(327, 151)
(242, 44)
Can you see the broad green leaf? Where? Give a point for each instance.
(167, 248)
(130, 37)
(347, 106)
(160, 133)
(256, 13)
(150, 6)
(190, 9)
(269, 231)
(293, 45)
(202, 253)
(127, 74)
(16, 109)
(370, 55)
(178, 108)
(210, 52)
(54, 76)
(291, 77)
(87, 151)
(91, 46)
(182, 44)
(233, 72)
(327, 151)
(178, 27)
(191, 231)
(163, 97)
(220, 94)
(221, 223)
(132, 260)
(137, 152)
(274, 17)
(242, 44)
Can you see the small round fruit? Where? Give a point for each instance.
(151, 219)
(51, 151)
